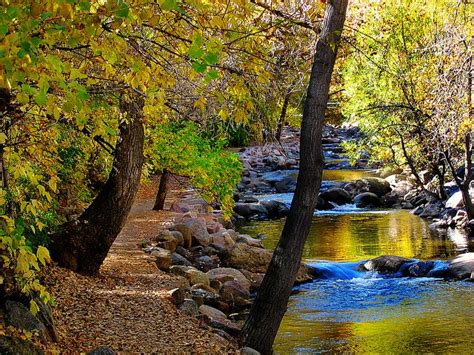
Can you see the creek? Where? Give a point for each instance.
(345, 310)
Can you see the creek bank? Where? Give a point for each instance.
(219, 269)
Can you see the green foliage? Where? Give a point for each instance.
(213, 171)
(20, 264)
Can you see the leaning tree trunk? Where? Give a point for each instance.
(270, 305)
(161, 194)
(83, 244)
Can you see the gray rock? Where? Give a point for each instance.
(367, 199)
(250, 210)
(103, 350)
(189, 307)
(462, 266)
(178, 259)
(19, 316)
(385, 264)
(248, 351)
(336, 195)
(288, 184)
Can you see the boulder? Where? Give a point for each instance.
(195, 276)
(385, 264)
(322, 204)
(288, 184)
(420, 269)
(177, 295)
(250, 210)
(377, 186)
(247, 239)
(196, 230)
(254, 278)
(455, 201)
(180, 207)
(367, 199)
(177, 259)
(179, 237)
(213, 313)
(19, 316)
(222, 242)
(180, 270)
(213, 227)
(162, 258)
(248, 257)
(462, 266)
(235, 293)
(275, 209)
(189, 307)
(432, 210)
(336, 195)
(224, 274)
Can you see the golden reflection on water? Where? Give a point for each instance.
(434, 316)
(353, 237)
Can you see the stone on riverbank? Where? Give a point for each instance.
(336, 195)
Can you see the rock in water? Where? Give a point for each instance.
(336, 195)
(367, 199)
(385, 264)
(462, 266)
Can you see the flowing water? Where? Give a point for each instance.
(349, 311)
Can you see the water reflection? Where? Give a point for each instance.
(375, 315)
(352, 237)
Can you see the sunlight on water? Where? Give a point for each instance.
(349, 311)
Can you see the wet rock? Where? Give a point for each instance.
(225, 274)
(420, 269)
(19, 316)
(462, 266)
(322, 204)
(288, 184)
(276, 209)
(440, 224)
(417, 211)
(336, 195)
(249, 199)
(367, 199)
(162, 258)
(250, 210)
(385, 264)
(189, 307)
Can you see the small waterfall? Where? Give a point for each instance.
(336, 271)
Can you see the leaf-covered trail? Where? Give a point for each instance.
(125, 307)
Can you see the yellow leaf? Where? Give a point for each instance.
(34, 307)
(43, 255)
(3, 138)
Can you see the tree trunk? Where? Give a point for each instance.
(270, 304)
(466, 184)
(83, 244)
(281, 120)
(161, 195)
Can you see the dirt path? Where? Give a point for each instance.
(125, 307)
